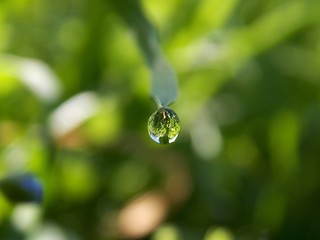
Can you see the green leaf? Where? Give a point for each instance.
(164, 88)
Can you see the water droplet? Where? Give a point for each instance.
(164, 126)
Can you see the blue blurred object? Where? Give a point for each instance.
(22, 188)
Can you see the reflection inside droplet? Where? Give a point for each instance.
(164, 126)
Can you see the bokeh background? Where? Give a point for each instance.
(74, 105)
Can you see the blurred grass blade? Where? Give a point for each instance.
(37, 76)
(164, 87)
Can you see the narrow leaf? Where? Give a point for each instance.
(164, 88)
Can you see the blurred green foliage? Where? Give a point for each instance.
(74, 105)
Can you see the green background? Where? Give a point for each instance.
(74, 105)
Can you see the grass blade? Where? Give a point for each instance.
(164, 87)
